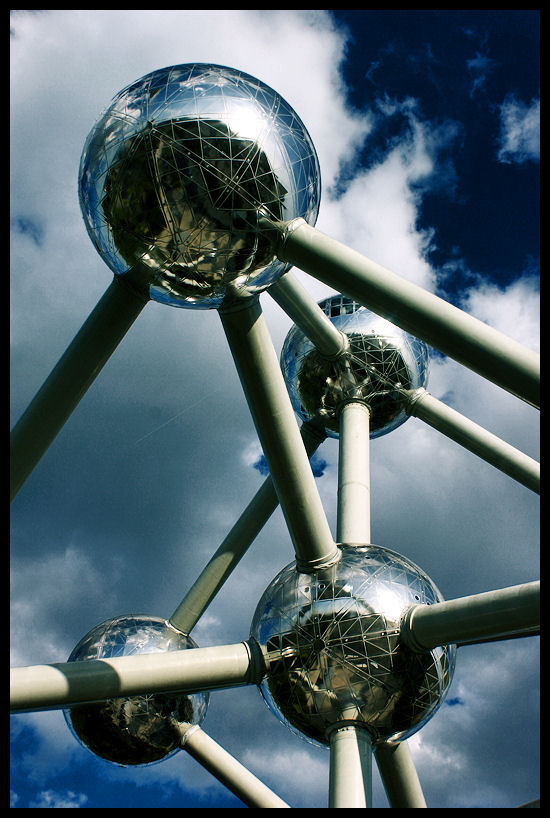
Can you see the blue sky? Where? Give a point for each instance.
(427, 128)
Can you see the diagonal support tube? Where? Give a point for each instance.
(308, 315)
(235, 545)
(500, 614)
(227, 769)
(47, 687)
(478, 440)
(76, 370)
(275, 422)
(399, 775)
(454, 332)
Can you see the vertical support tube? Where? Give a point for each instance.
(89, 351)
(227, 769)
(350, 776)
(396, 766)
(399, 775)
(275, 422)
(353, 526)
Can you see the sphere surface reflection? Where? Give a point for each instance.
(177, 171)
(331, 639)
(137, 729)
(381, 362)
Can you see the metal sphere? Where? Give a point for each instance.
(177, 172)
(331, 640)
(381, 362)
(138, 729)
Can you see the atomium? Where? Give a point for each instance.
(380, 364)
(179, 180)
(134, 730)
(176, 174)
(331, 641)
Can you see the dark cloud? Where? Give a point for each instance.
(28, 227)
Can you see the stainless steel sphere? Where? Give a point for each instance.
(380, 363)
(137, 729)
(176, 173)
(331, 639)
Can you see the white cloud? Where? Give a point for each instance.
(57, 583)
(251, 452)
(519, 131)
(487, 680)
(50, 799)
(377, 214)
(513, 310)
(274, 764)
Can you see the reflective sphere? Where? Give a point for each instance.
(332, 642)
(176, 173)
(380, 363)
(137, 729)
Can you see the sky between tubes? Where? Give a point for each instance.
(427, 130)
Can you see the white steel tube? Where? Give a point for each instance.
(350, 774)
(478, 440)
(399, 775)
(235, 545)
(226, 558)
(43, 687)
(227, 769)
(72, 376)
(456, 333)
(308, 315)
(275, 422)
(500, 614)
(353, 522)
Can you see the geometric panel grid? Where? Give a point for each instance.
(331, 641)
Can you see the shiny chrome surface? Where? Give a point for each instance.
(381, 362)
(177, 172)
(331, 639)
(137, 729)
